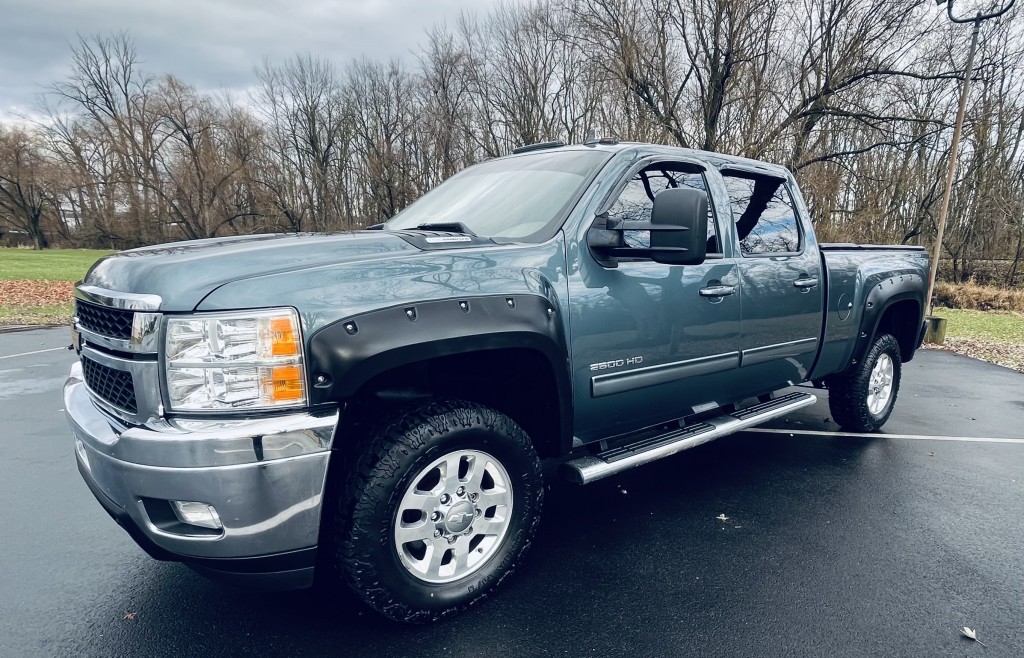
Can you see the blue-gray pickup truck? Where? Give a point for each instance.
(369, 409)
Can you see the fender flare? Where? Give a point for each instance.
(355, 349)
(882, 296)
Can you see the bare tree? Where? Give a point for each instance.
(855, 96)
(25, 193)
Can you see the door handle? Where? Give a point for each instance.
(718, 291)
(806, 282)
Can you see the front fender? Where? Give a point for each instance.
(354, 350)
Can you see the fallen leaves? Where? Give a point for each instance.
(1006, 354)
(972, 634)
(36, 302)
(36, 293)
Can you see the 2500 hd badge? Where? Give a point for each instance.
(617, 363)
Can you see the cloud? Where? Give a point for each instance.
(212, 44)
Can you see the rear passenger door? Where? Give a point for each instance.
(780, 277)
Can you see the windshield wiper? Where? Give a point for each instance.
(451, 227)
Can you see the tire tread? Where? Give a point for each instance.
(378, 455)
(847, 393)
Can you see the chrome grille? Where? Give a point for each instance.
(112, 385)
(104, 320)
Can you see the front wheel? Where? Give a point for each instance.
(439, 508)
(863, 399)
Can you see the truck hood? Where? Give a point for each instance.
(183, 273)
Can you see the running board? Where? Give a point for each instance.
(590, 468)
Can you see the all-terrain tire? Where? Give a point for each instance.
(858, 399)
(396, 459)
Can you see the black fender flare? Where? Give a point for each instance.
(883, 295)
(352, 351)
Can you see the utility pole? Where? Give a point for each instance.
(957, 130)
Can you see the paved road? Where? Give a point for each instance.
(834, 545)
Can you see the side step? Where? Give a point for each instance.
(590, 468)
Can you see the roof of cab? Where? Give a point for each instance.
(719, 160)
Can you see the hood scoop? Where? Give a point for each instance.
(437, 240)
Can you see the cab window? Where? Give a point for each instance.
(636, 200)
(763, 211)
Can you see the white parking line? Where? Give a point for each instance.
(913, 437)
(52, 349)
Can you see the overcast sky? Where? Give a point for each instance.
(212, 44)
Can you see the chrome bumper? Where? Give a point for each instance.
(265, 477)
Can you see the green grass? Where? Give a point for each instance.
(46, 265)
(50, 314)
(1003, 326)
(49, 264)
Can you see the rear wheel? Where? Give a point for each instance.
(440, 506)
(862, 400)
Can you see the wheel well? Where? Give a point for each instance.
(518, 382)
(901, 321)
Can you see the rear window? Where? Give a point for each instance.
(764, 213)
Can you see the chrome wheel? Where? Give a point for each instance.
(880, 384)
(453, 517)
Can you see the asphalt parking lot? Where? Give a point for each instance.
(795, 540)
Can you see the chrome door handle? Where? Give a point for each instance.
(718, 291)
(808, 282)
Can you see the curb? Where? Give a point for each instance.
(15, 328)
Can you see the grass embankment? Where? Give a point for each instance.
(1005, 326)
(983, 322)
(36, 286)
(993, 336)
(47, 265)
(974, 297)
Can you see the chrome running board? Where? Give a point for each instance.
(590, 468)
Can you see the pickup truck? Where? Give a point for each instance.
(369, 409)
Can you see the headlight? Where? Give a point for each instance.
(248, 359)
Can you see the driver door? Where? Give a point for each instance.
(652, 342)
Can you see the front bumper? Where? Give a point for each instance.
(265, 477)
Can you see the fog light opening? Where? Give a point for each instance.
(197, 514)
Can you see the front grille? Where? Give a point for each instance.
(113, 322)
(112, 385)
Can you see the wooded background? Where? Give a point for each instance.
(857, 97)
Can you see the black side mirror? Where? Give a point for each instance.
(679, 227)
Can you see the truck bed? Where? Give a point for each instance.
(851, 246)
(863, 282)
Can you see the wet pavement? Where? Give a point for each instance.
(800, 541)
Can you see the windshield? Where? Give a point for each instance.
(518, 198)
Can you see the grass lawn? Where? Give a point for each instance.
(47, 314)
(35, 285)
(993, 336)
(1004, 326)
(48, 264)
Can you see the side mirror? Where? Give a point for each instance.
(679, 227)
